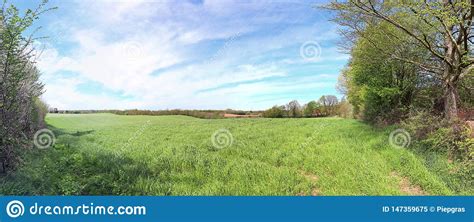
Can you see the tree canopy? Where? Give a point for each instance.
(432, 37)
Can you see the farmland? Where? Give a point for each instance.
(105, 154)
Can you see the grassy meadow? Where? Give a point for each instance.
(174, 155)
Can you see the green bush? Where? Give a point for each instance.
(438, 134)
(345, 109)
(40, 109)
(456, 142)
(420, 124)
(432, 135)
(275, 112)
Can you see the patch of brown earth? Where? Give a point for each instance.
(229, 115)
(313, 178)
(406, 187)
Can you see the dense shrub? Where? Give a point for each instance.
(421, 124)
(440, 135)
(21, 112)
(310, 108)
(275, 112)
(345, 109)
(329, 105)
(457, 142)
(433, 134)
(381, 89)
(294, 109)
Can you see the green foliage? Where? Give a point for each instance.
(437, 134)
(421, 124)
(20, 113)
(329, 105)
(39, 111)
(466, 92)
(428, 40)
(345, 109)
(433, 135)
(381, 89)
(275, 112)
(459, 145)
(294, 109)
(204, 114)
(310, 108)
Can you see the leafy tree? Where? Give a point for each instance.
(19, 80)
(329, 104)
(275, 112)
(382, 89)
(294, 109)
(442, 28)
(310, 108)
(345, 109)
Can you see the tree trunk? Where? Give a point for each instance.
(451, 102)
(451, 70)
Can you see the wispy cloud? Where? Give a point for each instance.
(196, 54)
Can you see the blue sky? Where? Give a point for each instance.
(199, 54)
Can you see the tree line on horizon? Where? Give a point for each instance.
(198, 113)
(326, 105)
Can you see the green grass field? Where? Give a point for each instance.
(174, 155)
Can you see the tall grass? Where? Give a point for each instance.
(174, 155)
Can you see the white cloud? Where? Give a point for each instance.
(121, 44)
(49, 62)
